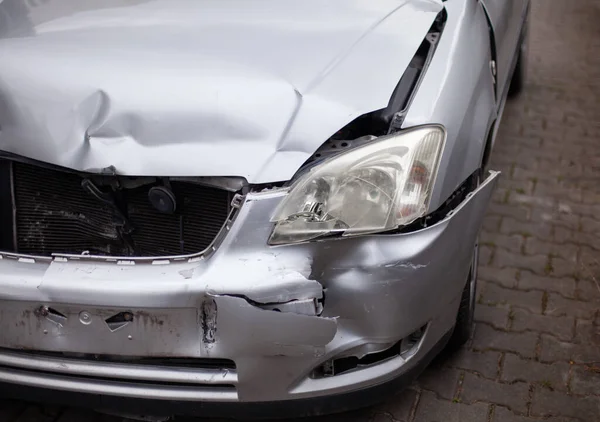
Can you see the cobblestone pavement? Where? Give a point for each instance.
(535, 352)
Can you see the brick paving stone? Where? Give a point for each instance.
(587, 332)
(560, 267)
(561, 327)
(503, 414)
(500, 196)
(432, 409)
(535, 246)
(512, 226)
(477, 389)
(556, 191)
(487, 338)
(561, 215)
(532, 201)
(590, 225)
(510, 242)
(399, 405)
(589, 268)
(567, 236)
(553, 375)
(506, 277)
(585, 379)
(485, 254)
(559, 306)
(528, 175)
(493, 315)
(442, 381)
(520, 213)
(484, 363)
(535, 263)
(566, 286)
(588, 289)
(494, 295)
(582, 210)
(491, 222)
(555, 403)
(554, 350)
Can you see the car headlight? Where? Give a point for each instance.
(375, 187)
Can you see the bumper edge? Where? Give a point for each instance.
(257, 410)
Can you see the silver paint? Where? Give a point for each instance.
(247, 89)
(458, 93)
(163, 87)
(380, 288)
(506, 17)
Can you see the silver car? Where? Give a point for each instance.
(239, 207)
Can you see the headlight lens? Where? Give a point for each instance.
(378, 186)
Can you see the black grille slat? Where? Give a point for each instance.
(54, 214)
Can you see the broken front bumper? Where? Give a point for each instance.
(245, 324)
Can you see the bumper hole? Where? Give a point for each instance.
(405, 348)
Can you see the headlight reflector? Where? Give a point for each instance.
(375, 187)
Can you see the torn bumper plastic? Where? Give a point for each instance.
(251, 323)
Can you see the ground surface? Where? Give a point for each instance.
(535, 352)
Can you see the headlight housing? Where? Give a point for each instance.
(375, 187)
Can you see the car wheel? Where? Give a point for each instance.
(466, 311)
(517, 82)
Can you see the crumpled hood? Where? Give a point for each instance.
(197, 87)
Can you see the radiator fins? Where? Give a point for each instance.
(54, 214)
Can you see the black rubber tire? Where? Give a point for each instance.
(517, 82)
(466, 313)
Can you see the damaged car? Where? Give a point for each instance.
(243, 207)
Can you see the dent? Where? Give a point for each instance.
(270, 333)
(373, 289)
(93, 109)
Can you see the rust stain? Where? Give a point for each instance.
(150, 319)
(208, 321)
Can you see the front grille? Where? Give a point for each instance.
(54, 214)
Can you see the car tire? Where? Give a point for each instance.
(518, 79)
(517, 82)
(466, 311)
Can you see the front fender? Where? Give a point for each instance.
(457, 91)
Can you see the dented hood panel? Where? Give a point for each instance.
(196, 88)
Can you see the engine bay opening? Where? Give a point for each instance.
(53, 210)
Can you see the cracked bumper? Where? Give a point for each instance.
(196, 332)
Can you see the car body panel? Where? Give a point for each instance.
(198, 88)
(379, 289)
(251, 89)
(506, 17)
(458, 92)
